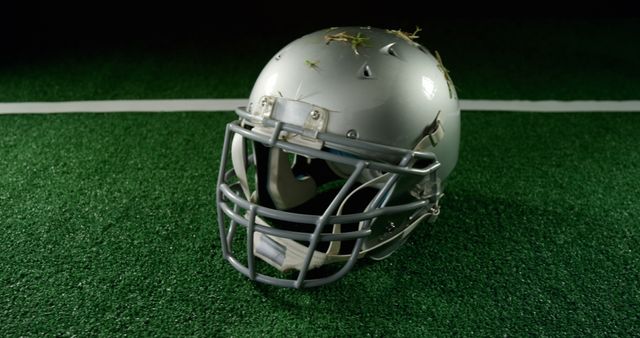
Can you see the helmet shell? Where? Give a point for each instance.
(379, 87)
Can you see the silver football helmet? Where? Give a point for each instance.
(340, 153)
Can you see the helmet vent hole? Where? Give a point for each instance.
(366, 72)
(389, 50)
(422, 49)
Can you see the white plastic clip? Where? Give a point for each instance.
(315, 123)
(432, 135)
(435, 131)
(264, 108)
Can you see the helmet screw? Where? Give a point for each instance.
(391, 226)
(352, 133)
(263, 102)
(315, 114)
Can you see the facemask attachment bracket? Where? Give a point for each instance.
(264, 109)
(315, 123)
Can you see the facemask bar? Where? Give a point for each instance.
(225, 194)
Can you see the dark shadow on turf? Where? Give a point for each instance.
(512, 261)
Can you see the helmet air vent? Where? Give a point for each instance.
(365, 72)
(388, 49)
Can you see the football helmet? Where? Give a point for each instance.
(340, 153)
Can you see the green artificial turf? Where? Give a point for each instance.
(107, 221)
(108, 227)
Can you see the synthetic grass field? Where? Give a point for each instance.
(108, 220)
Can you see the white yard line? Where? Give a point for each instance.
(550, 106)
(120, 106)
(231, 104)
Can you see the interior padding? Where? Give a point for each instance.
(322, 174)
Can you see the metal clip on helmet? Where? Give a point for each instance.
(340, 154)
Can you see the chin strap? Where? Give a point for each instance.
(284, 254)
